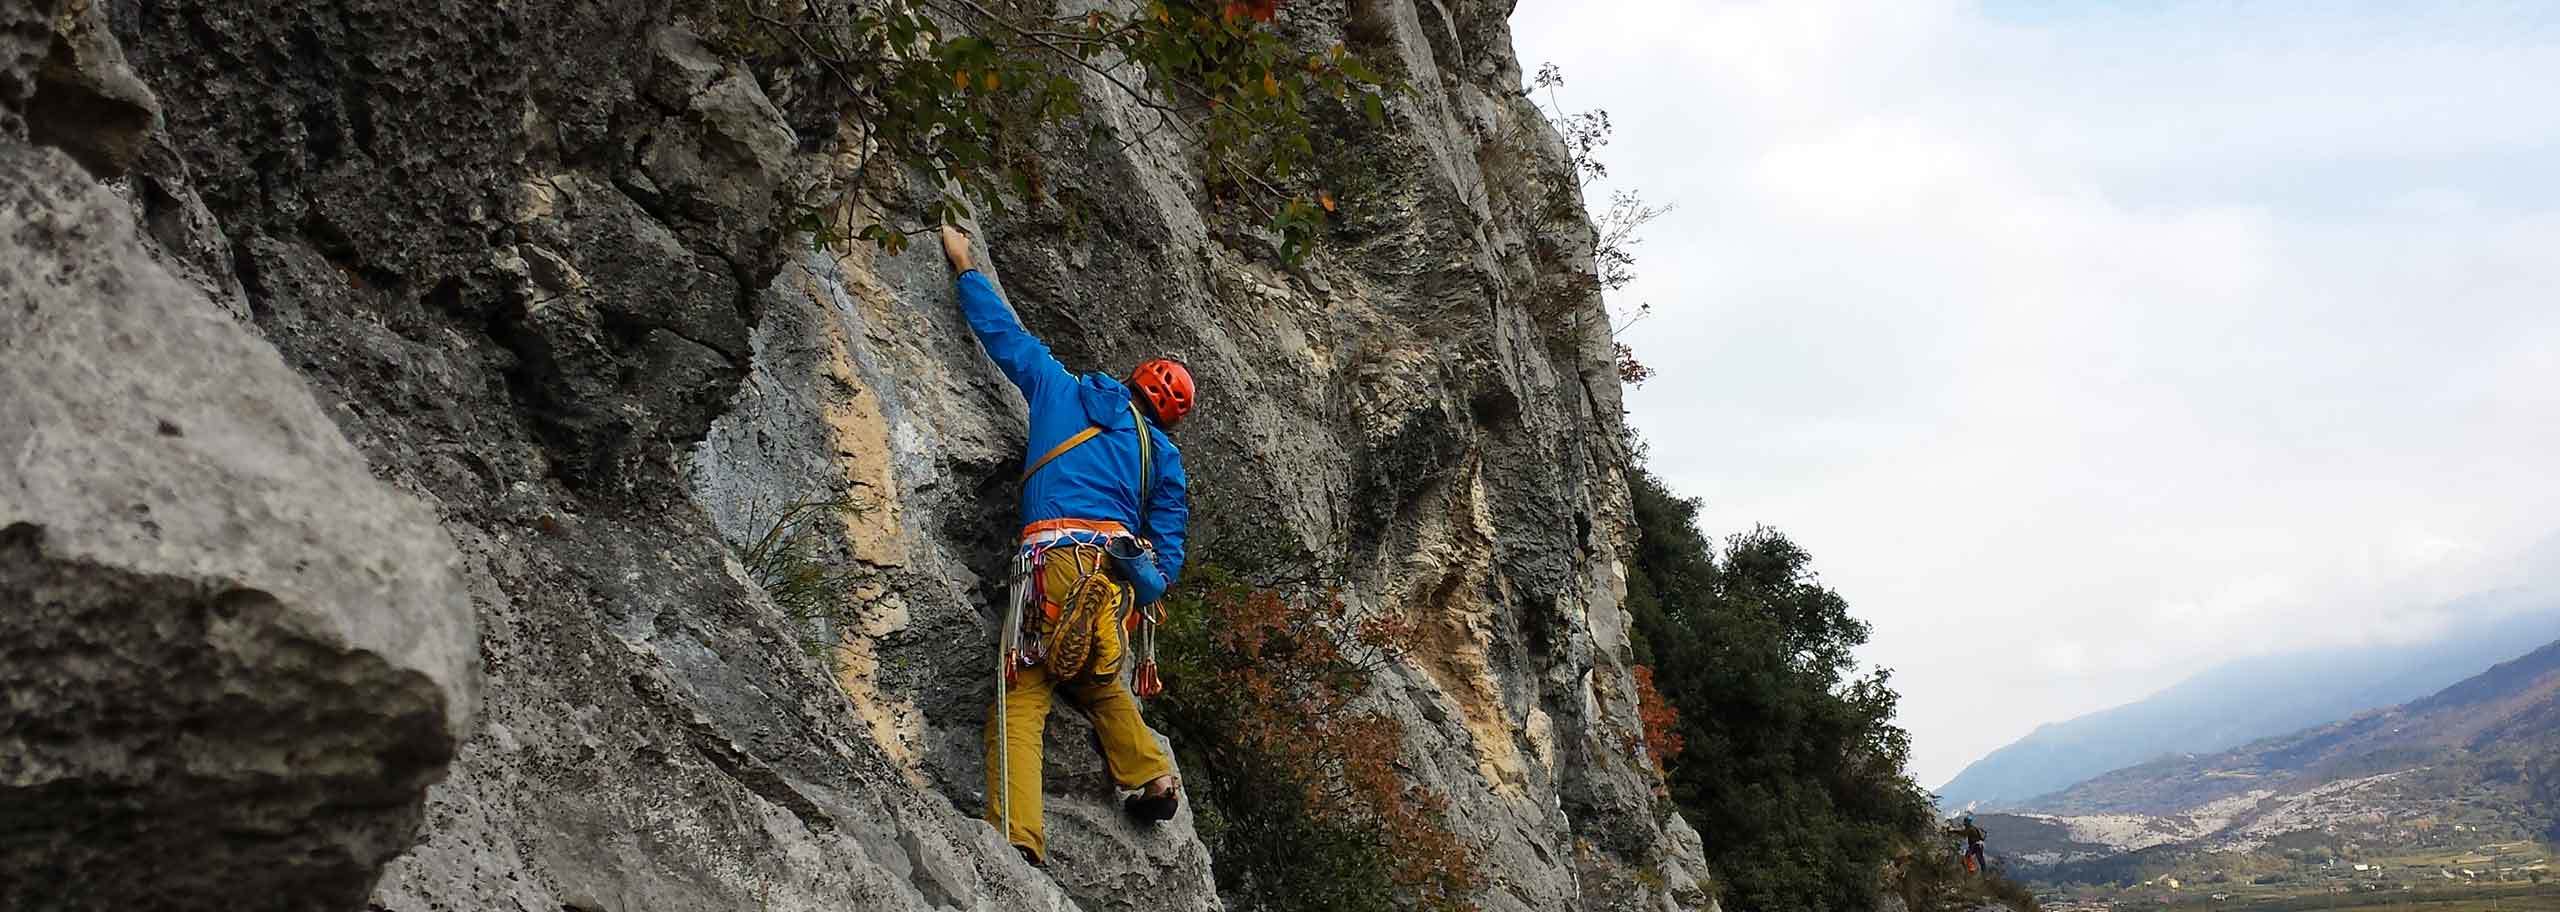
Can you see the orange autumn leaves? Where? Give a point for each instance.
(1660, 720)
(1282, 676)
(1258, 10)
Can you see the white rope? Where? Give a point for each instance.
(1006, 643)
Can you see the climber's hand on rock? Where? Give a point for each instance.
(955, 247)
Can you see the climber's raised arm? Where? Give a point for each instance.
(1023, 358)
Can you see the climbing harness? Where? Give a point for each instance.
(1053, 619)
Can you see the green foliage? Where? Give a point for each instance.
(1792, 768)
(1928, 876)
(958, 88)
(1302, 798)
(1998, 887)
(790, 560)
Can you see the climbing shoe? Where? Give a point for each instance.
(1029, 857)
(1153, 807)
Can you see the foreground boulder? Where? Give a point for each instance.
(231, 661)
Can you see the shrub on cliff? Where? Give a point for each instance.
(1659, 720)
(1299, 795)
(1790, 767)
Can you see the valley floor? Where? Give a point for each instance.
(2508, 875)
(2377, 897)
(2502, 898)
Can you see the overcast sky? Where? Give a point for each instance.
(2085, 345)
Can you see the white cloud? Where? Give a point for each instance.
(2088, 349)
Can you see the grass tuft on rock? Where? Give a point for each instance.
(794, 559)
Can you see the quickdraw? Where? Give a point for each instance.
(1148, 680)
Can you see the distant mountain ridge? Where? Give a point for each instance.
(2254, 698)
(2510, 712)
(2471, 771)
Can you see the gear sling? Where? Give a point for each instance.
(1081, 621)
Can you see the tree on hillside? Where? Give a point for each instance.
(1792, 768)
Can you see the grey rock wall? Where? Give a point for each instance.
(230, 660)
(528, 259)
(1418, 402)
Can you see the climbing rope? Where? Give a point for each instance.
(1008, 661)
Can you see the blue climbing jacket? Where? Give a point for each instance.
(1097, 480)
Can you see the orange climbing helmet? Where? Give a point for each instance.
(1166, 386)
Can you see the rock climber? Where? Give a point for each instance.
(1104, 507)
(1974, 859)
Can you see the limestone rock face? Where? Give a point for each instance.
(533, 261)
(232, 661)
(1429, 402)
(26, 31)
(87, 102)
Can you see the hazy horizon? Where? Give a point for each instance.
(2086, 347)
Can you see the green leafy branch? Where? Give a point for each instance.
(957, 87)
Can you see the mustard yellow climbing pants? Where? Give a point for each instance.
(1129, 749)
